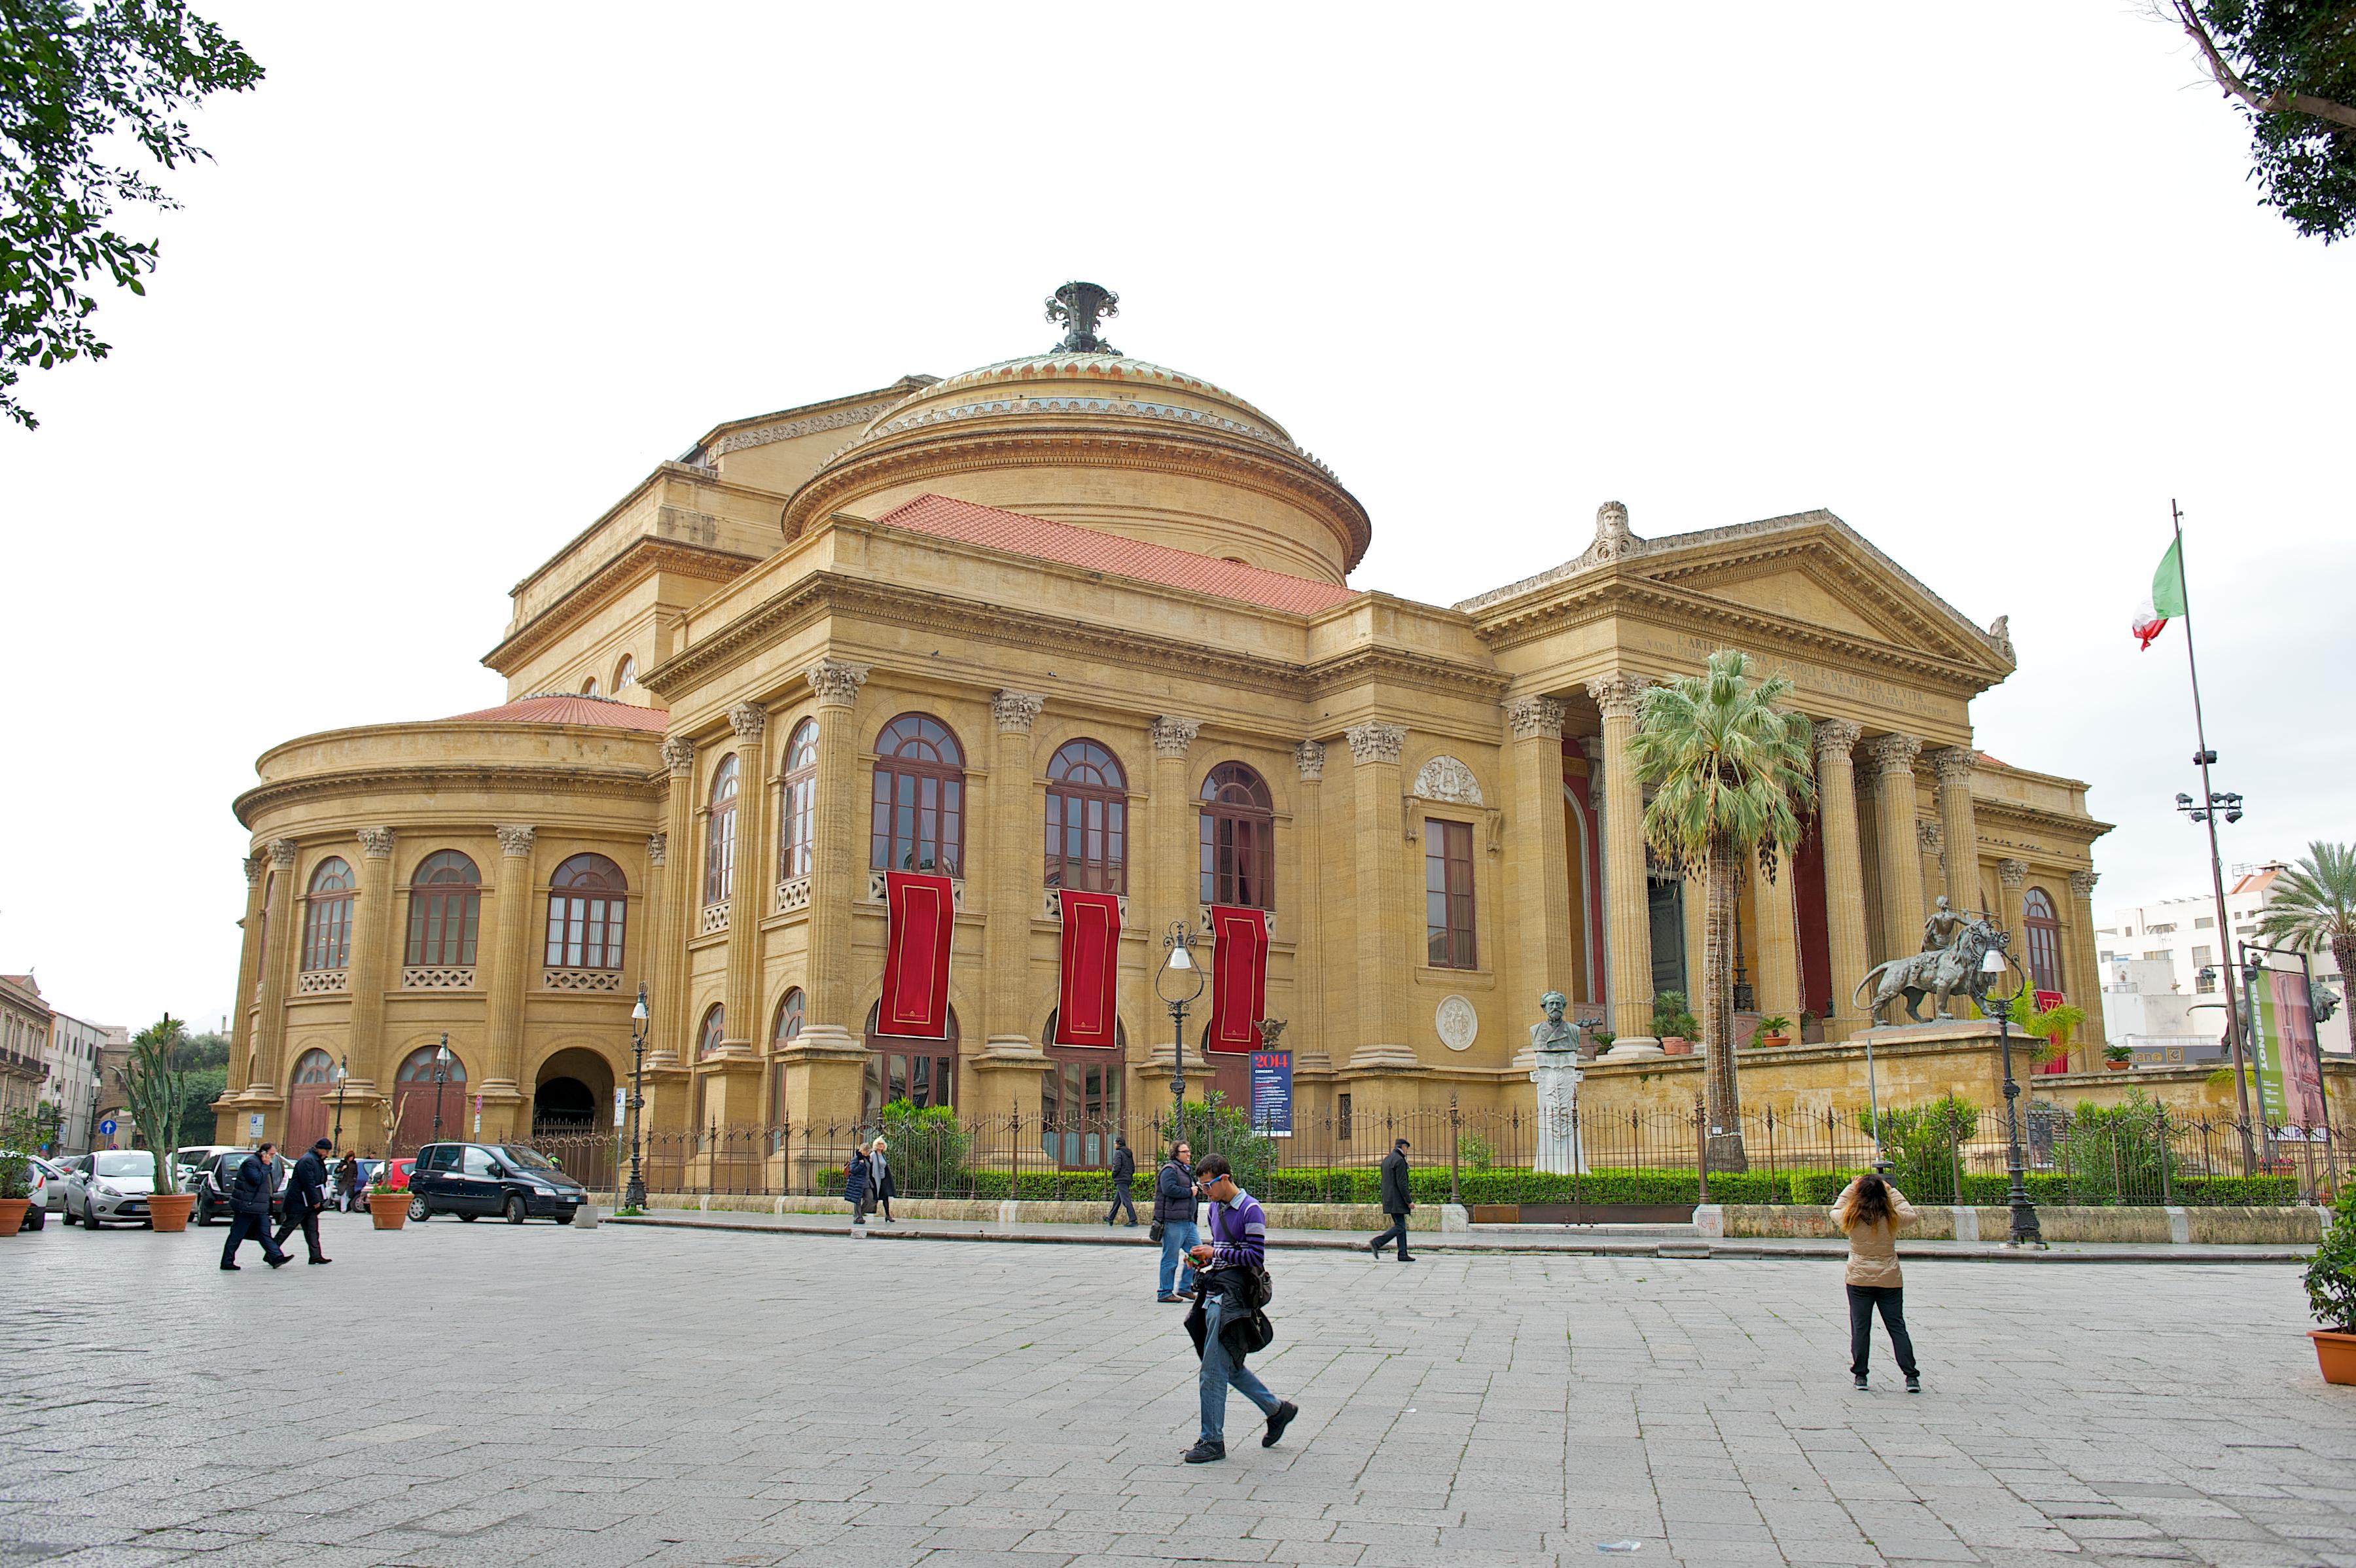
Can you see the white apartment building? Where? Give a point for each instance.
(74, 1048)
(2154, 956)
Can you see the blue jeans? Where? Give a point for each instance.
(1219, 1369)
(1177, 1235)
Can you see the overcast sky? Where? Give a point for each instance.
(457, 280)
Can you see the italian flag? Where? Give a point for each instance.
(2166, 599)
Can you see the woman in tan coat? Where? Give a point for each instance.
(1870, 1211)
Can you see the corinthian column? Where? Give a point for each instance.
(280, 940)
(1538, 872)
(511, 966)
(1901, 846)
(822, 1067)
(248, 977)
(1954, 765)
(1845, 936)
(1629, 920)
(1017, 865)
(1175, 880)
(748, 894)
(371, 959)
(1309, 1044)
(666, 959)
(2085, 987)
(1382, 902)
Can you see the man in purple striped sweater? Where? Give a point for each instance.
(1238, 1244)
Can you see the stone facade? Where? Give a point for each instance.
(1163, 576)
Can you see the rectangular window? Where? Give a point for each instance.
(1448, 895)
(2200, 955)
(2204, 922)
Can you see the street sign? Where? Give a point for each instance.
(1271, 1093)
(619, 1102)
(107, 1126)
(253, 1125)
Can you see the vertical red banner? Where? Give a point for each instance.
(1087, 992)
(2047, 1000)
(1238, 977)
(922, 911)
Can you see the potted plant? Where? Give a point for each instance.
(1599, 1040)
(16, 1178)
(2331, 1294)
(1771, 1032)
(388, 1207)
(155, 1089)
(2115, 1058)
(1674, 1023)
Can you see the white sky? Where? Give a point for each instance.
(458, 279)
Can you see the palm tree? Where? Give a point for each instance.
(2314, 906)
(1734, 776)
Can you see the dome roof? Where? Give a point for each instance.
(569, 708)
(1086, 436)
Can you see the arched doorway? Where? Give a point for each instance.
(418, 1094)
(309, 1112)
(1079, 1099)
(572, 1113)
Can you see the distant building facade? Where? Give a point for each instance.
(2162, 962)
(76, 1051)
(25, 1020)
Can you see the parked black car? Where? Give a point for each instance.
(218, 1179)
(470, 1180)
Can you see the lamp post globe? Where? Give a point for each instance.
(635, 1197)
(441, 1077)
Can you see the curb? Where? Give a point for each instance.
(1671, 1250)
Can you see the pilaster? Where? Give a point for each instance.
(277, 962)
(1312, 1052)
(509, 971)
(667, 968)
(1900, 849)
(1010, 1062)
(822, 1068)
(372, 925)
(743, 1027)
(2085, 970)
(1538, 866)
(1844, 934)
(1377, 797)
(1173, 883)
(1627, 917)
(249, 972)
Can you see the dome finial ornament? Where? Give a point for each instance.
(1077, 307)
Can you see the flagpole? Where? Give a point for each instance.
(2216, 862)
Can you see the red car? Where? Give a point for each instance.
(393, 1174)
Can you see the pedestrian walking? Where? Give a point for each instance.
(1228, 1323)
(879, 1180)
(307, 1199)
(1395, 1202)
(855, 1182)
(1173, 1224)
(249, 1207)
(347, 1183)
(1871, 1211)
(1124, 1173)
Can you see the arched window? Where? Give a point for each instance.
(715, 1027)
(313, 1068)
(922, 1073)
(588, 908)
(1238, 838)
(445, 906)
(784, 1033)
(719, 834)
(589, 687)
(426, 1109)
(327, 916)
(789, 1019)
(418, 1068)
(919, 821)
(800, 793)
(2044, 931)
(1088, 819)
(625, 674)
(1079, 1100)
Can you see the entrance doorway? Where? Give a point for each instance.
(1666, 904)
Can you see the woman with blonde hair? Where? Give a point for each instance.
(879, 1179)
(1869, 1211)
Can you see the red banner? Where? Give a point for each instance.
(1087, 996)
(1238, 977)
(2046, 1002)
(916, 1001)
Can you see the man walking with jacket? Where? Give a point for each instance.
(1174, 1210)
(307, 1199)
(1396, 1202)
(249, 1206)
(1236, 1252)
(1124, 1172)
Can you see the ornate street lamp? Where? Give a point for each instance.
(343, 1071)
(2024, 1230)
(1178, 982)
(441, 1077)
(635, 1197)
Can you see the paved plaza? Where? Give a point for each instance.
(457, 1395)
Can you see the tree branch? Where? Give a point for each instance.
(2281, 101)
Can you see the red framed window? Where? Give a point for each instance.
(801, 795)
(327, 916)
(715, 1028)
(719, 834)
(1238, 838)
(1088, 819)
(588, 911)
(919, 817)
(446, 907)
(2044, 933)
(1448, 895)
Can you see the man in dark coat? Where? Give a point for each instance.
(249, 1207)
(1174, 1210)
(307, 1199)
(854, 1185)
(1124, 1173)
(1396, 1202)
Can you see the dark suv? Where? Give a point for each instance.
(470, 1180)
(217, 1178)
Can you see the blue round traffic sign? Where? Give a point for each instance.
(107, 1126)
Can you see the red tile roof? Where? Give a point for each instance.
(570, 708)
(1110, 553)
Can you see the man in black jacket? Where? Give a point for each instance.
(249, 1206)
(1396, 1202)
(1174, 1210)
(307, 1197)
(1124, 1172)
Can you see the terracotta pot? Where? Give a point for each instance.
(1674, 1046)
(1767, 1042)
(2335, 1354)
(169, 1210)
(390, 1210)
(2110, 1066)
(12, 1214)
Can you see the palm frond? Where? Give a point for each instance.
(2314, 902)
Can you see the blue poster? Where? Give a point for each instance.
(1271, 1093)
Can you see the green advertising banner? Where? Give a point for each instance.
(2290, 1059)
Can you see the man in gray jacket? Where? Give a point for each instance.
(1396, 1202)
(1174, 1210)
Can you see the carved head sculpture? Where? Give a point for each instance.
(1553, 1002)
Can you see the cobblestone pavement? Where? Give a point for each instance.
(454, 1395)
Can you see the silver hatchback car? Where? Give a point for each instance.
(110, 1186)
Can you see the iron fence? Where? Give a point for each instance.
(1944, 1152)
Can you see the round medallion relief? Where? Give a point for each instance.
(1457, 1022)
